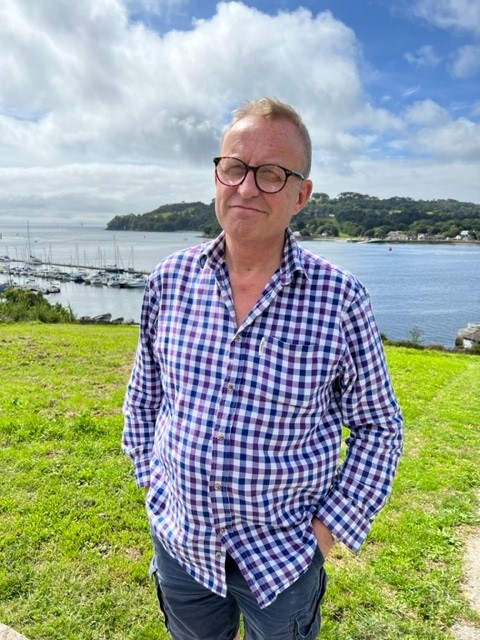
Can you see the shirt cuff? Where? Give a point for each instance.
(345, 520)
(142, 472)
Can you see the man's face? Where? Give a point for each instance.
(246, 213)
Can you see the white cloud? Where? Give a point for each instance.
(459, 139)
(450, 14)
(154, 7)
(410, 91)
(96, 191)
(466, 61)
(409, 178)
(430, 131)
(425, 56)
(426, 113)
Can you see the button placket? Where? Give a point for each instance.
(226, 407)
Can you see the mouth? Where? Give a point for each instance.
(246, 209)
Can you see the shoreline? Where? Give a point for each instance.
(385, 241)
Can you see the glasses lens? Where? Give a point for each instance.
(271, 178)
(230, 171)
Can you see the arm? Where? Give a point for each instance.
(371, 412)
(143, 397)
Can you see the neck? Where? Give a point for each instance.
(252, 258)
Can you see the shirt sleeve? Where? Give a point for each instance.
(371, 413)
(144, 394)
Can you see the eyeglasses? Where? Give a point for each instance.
(269, 178)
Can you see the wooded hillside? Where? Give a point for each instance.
(350, 214)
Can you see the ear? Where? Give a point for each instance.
(304, 195)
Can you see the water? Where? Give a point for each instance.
(431, 288)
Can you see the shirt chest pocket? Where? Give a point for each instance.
(293, 372)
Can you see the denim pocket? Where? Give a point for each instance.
(309, 621)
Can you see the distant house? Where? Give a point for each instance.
(469, 337)
(464, 235)
(397, 236)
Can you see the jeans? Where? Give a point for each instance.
(192, 612)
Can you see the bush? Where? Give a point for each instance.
(21, 305)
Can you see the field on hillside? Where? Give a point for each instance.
(74, 542)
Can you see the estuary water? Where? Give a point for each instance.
(429, 289)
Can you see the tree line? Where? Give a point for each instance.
(350, 214)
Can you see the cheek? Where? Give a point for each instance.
(221, 199)
(223, 193)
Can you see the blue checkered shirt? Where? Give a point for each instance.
(237, 430)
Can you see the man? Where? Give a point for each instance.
(253, 353)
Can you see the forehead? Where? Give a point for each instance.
(255, 139)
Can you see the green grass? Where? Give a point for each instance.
(74, 542)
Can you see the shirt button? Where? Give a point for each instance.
(223, 530)
(238, 338)
(219, 554)
(217, 486)
(230, 386)
(220, 437)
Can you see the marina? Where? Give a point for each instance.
(27, 276)
(37, 270)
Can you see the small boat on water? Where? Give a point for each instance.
(124, 281)
(52, 288)
(136, 282)
(117, 281)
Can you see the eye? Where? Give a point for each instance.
(270, 173)
(234, 169)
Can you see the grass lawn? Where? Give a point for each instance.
(74, 542)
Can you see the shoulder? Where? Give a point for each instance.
(324, 274)
(179, 263)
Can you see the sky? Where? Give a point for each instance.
(109, 107)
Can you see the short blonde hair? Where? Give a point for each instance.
(274, 109)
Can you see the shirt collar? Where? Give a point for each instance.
(292, 264)
(293, 258)
(214, 252)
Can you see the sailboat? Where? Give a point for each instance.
(31, 259)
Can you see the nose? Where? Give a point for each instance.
(248, 188)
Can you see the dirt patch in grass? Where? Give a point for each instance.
(471, 586)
